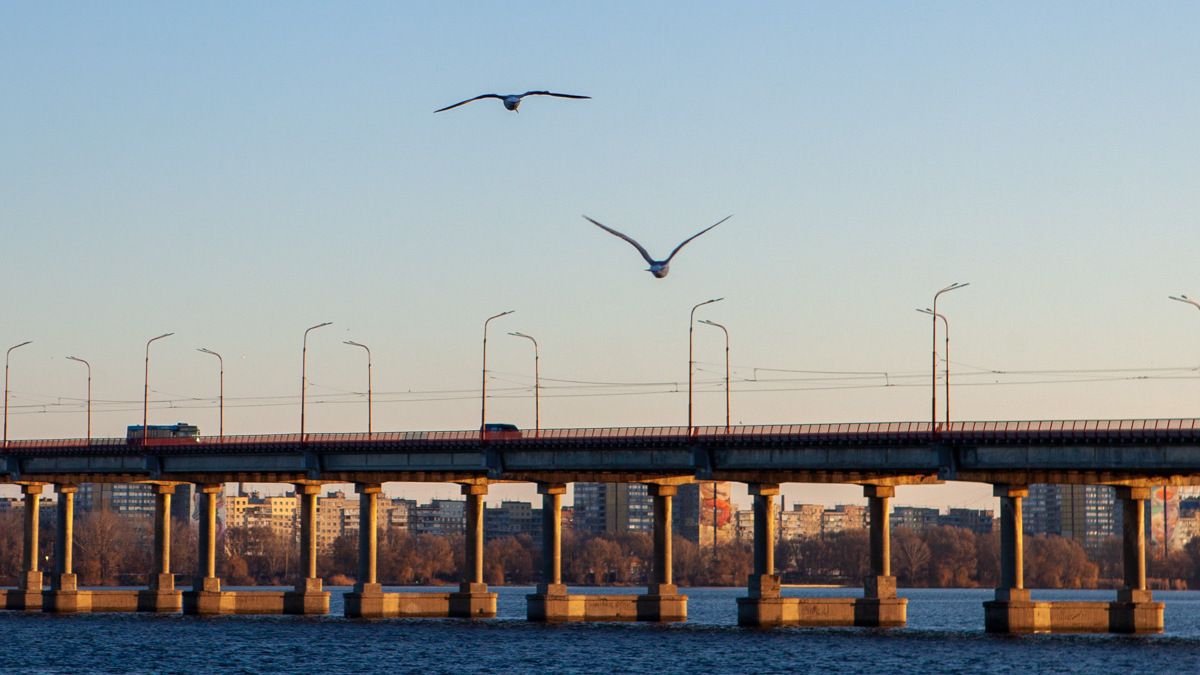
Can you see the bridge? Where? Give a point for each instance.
(1131, 455)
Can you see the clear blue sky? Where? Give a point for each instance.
(237, 173)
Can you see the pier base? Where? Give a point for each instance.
(207, 598)
(472, 601)
(1014, 612)
(765, 607)
(27, 596)
(308, 598)
(553, 604)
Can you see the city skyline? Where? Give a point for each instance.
(175, 171)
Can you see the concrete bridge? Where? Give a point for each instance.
(1131, 455)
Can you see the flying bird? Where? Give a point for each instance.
(658, 268)
(511, 101)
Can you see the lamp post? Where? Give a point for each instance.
(483, 386)
(220, 391)
(10, 350)
(714, 484)
(1191, 301)
(946, 326)
(537, 383)
(352, 343)
(146, 388)
(304, 372)
(89, 395)
(933, 381)
(726, 331)
(692, 359)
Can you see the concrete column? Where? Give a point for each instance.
(64, 540)
(206, 552)
(552, 494)
(1012, 543)
(31, 579)
(310, 582)
(1133, 502)
(880, 583)
(368, 535)
(162, 579)
(662, 581)
(473, 540)
(763, 582)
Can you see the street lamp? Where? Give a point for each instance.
(483, 387)
(220, 392)
(89, 395)
(691, 357)
(537, 383)
(1191, 301)
(304, 372)
(352, 343)
(714, 483)
(726, 331)
(946, 326)
(933, 381)
(10, 350)
(146, 388)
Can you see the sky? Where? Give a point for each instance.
(237, 172)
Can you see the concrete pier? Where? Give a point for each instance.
(309, 596)
(162, 595)
(367, 600)
(765, 605)
(552, 603)
(63, 596)
(1014, 611)
(28, 593)
(473, 599)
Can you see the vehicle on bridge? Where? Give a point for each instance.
(500, 430)
(180, 433)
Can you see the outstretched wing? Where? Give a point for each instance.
(469, 100)
(685, 241)
(636, 245)
(550, 93)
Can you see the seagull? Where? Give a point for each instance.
(511, 101)
(658, 268)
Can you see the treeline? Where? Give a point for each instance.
(112, 550)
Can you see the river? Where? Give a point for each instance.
(944, 634)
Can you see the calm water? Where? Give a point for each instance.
(945, 634)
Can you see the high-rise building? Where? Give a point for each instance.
(1089, 514)
(513, 519)
(702, 511)
(439, 516)
(613, 508)
(132, 499)
(915, 518)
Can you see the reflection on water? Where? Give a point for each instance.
(945, 634)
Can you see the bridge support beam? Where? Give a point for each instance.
(63, 596)
(765, 604)
(367, 598)
(309, 597)
(1014, 611)
(473, 599)
(551, 601)
(662, 601)
(879, 605)
(162, 595)
(206, 596)
(1135, 610)
(28, 593)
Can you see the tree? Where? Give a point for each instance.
(910, 557)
